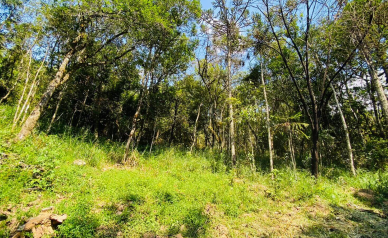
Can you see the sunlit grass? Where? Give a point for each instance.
(173, 192)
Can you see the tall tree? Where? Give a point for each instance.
(295, 29)
(227, 22)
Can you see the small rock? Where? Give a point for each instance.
(35, 221)
(41, 226)
(58, 219)
(47, 209)
(79, 162)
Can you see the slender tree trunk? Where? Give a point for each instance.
(153, 135)
(135, 119)
(375, 109)
(377, 85)
(60, 96)
(348, 144)
(31, 121)
(132, 133)
(231, 114)
(195, 128)
(10, 90)
(314, 150)
(18, 113)
(222, 130)
(83, 108)
(174, 121)
(267, 117)
(291, 149)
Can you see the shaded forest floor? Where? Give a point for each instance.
(172, 193)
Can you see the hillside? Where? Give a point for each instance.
(173, 193)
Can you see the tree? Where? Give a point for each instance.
(295, 39)
(227, 24)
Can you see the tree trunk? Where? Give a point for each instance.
(195, 129)
(56, 108)
(348, 144)
(291, 149)
(83, 108)
(377, 85)
(135, 117)
(375, 109)
(314, 150)
(173, 123)
(153, 135)
(31, 121)
(17, 115)
(267, 118)
(231, 117)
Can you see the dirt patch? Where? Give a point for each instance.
(222, 231)
(365, 194)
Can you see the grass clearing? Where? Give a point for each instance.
(174, 193)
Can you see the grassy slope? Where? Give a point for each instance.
(172, 192)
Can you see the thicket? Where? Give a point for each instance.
(253, 80)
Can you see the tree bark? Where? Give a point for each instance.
(267, 118)
(231, 120)
(31, 121)
(135, 118)
(344, 125)
(153, 135)
(56, 108)
(195, 128)
(291, 149)
(377, 85)
(314, 150)
(173, 123)
(17, 115)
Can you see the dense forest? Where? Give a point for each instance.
(270, 86)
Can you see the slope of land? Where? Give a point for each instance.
(172, 193)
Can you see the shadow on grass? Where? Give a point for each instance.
(195, 224)
(349, 221)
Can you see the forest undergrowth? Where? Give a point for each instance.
(173, 193)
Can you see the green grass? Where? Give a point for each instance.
(174, 192)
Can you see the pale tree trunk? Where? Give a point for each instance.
(153, 135)
(291, 149)
(18, 113)
(132, 133)
(371, 92)
(83, 108)
(231, 120)
(267, 117)
(195, 128)
(10, 90)
(32, 91)
(57, 107)
(31, 121)
(348, 144)
(222, 144)
(252, 153)
(135, 118)
(377, 85)
(174, 121)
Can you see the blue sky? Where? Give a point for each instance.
(206, 4)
